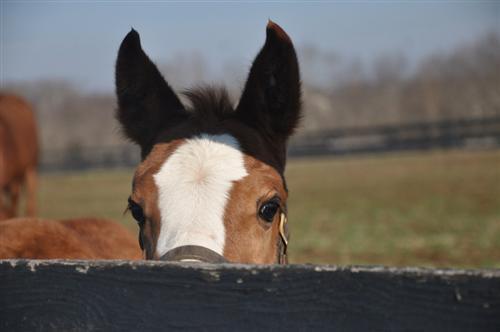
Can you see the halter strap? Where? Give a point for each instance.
(192, 252)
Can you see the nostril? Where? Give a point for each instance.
(192, 253)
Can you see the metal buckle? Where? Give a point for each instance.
(283, 221)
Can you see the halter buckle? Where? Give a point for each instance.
(283, 221)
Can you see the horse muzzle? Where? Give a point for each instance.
(192, 253)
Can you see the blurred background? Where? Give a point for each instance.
(397, 161)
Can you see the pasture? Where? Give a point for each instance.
(435, 209)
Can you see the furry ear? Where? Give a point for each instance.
(271, 99)
(146, 103)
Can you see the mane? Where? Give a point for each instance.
(209, 103)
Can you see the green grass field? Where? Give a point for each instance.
(426, 209)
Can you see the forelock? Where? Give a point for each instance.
(209, 103)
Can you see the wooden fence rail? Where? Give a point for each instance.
(149, 296)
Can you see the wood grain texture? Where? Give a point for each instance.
(149, 296)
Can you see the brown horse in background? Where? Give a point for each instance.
(18, 155)
(34, 238)
(84, 238)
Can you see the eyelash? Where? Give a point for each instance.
(136, 211)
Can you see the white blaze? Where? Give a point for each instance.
(193, 186)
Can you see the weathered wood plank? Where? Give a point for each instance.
(147, 296)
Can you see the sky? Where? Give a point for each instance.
(77, 41)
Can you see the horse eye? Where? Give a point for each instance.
(136, 211)
(268, 211)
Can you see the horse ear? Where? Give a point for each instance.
(146, 103)
(271, 98)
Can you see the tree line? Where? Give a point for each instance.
(463, 83)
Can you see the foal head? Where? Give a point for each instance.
(210, 185)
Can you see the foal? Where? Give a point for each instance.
(210, 186)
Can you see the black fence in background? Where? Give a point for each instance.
(461, 133)
(82, 158)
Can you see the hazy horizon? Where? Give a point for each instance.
(78, 41)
